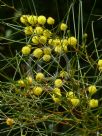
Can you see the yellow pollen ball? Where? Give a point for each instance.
(37, 53)
(63, 74)
(39, 76)
(57, 91)
(38, 30)
(37, 91)
(100, 63)
(26, 50)
(32, 19)
(56, 99)
(21, 83)
(58, 83)
(28, 30)
(92, 89)
(42, 39)
(50, 21)
(63, 26)
(93, 103)
(58, 49)
(47, 58)
(72, 41)
(35, 40)
(9, 121)
(75, 102)
(70, 94)
(29, 80)
(42, 20)
(47, 50)
(47, 33)
(24, 19)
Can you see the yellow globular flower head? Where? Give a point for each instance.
(75, 101)
(63, 74)
(40, 76)
(64, 47)
(38, 30)
(64, 42)
(51, 42)
(24, 19)
(57, 91)
(93, 103)
(9, 121)
(47, 57)
(37, 90)
(38, 53)
(50, 21)
(72, 41)
(29, 80)
(100, 65)
(63, 26)
(56, 99)
(35, 40)
(26, 50)
(47, 50)
(28, 30)
(47, 33)
(42, 39)
(70, 95)
(32, 20)
(58, 49)
(57, 42)
(92, 89)
(21, 83)
(58, 83)
(41, 20)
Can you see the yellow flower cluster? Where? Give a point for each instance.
(41, 37)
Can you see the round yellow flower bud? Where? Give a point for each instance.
(58, 49)
(24, 19)
(64, 42)
(47, 33)
(37, 91)
(50, 42)
(35, 40)
(26, 50)
(50, 21)
(72, 41)
(63, 74)
(39, 76)
(21, 83)
(38, 30)
(47, 57)
(58, 83)
(57, 42)
(29, 80)
(42, 20)
(100, 63)
(28, 30)
(75, 102)
(70, 94)
(9, 121)
(93, 103)
(63, 26)
(37, 53)
(100, 69)
(47, 50)
(56, 99)
(65, 49)
(92, 89)
(57, 91)
(32, 19)
(42, 39)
